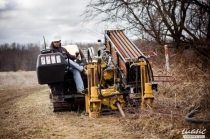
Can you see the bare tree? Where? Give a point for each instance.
(183, 23)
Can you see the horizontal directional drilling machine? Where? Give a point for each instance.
(119, 76)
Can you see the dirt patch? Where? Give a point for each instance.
(25, 112)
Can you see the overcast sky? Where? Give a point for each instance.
(27, 21)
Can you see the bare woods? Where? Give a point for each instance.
(14, 56)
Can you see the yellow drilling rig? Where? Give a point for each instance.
(118, 75)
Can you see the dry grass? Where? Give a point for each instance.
(11, 80)
(189, 91)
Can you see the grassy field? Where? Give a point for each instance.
(25, 111)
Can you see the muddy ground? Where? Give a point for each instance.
(25, 112)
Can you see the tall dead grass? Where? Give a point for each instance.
(174, 100)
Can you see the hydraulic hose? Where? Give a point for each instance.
(187, 117)
(150, 68)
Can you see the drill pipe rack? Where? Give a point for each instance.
(134, 70)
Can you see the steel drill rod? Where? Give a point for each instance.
(120, 109)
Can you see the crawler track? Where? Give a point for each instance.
(67, 103)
